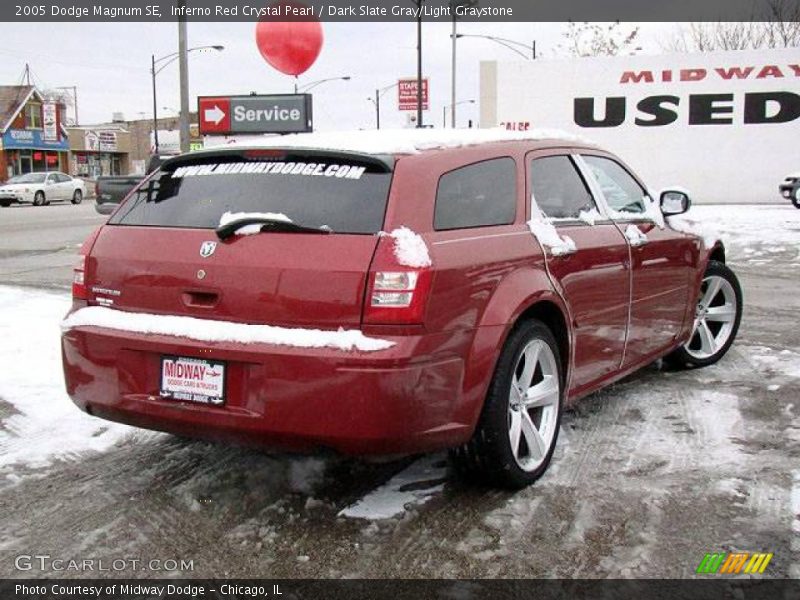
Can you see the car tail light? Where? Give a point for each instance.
(79, 289)
(396, 295)
(96, 189)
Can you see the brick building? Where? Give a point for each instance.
(33, 138)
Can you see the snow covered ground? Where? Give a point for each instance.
(649, 475)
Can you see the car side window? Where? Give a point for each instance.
(62, 178)
(558, 188)
(477, 195)
(621, 191)
(51, 178)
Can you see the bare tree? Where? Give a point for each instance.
(782, 27)
(598, 39)
(777, 26)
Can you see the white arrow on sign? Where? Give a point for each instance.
(214, 115)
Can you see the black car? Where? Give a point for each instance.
(790, 189)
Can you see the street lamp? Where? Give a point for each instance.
(446, 106)
(308, 86)
(164, 61)
(510, 44)
(377, 102)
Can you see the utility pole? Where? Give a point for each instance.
(183, 67)
(155, 107)
(377, 109)
(453, 73)
(419, 63)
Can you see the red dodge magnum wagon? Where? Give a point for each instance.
(380, 293)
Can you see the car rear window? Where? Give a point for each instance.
(349, 196)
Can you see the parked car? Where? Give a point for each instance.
(790, 189)
(110, 190)
(42, 188)
(381, 296)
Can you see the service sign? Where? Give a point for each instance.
(280, 113)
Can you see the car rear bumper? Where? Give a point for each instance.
(400, 400)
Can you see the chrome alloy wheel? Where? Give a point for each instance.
(714, 318)
(533, 405)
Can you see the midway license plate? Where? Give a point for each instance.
(193, 380)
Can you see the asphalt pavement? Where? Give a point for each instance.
(649, 475)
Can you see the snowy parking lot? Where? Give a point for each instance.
(649, 475)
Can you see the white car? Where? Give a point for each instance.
(42, 188)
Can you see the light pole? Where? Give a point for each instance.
(445, 107)
(163, 62)
(377, 102)
(454, 4)
(307, 86)
(512, 45)
(419, 62)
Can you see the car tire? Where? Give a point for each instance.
(77, 197)
(499, 452)
(796, 197)
(39, 199)
(717, 318)
(5, 204)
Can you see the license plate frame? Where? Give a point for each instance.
(201, 388)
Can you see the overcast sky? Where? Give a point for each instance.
(109, 63)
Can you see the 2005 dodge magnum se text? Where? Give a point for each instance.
(380, 293)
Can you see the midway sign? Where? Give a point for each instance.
(277, 113)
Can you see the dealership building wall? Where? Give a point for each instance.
(725, 125)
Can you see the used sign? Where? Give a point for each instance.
(282, 113)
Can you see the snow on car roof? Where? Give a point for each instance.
(401, 141)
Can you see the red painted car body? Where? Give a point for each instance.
(614, 308)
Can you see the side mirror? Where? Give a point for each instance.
(674, 202)
(106, 208)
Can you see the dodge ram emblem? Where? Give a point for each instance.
(207, 249)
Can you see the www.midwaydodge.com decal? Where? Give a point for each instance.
(274, 168)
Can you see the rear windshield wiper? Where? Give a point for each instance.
(267, 224)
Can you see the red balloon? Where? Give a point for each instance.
(289, 46)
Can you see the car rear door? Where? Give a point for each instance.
(160, 253)
(661, 258)
(52, 188)
(65, 186)
(593, 276)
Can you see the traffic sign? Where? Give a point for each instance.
(275, 113)
(407, 94)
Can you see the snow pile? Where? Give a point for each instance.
(694, 227)
(409, 248)
(635, 235)
(544, 231)
(43, 424)
(590, 217)
(230, 217)
(413, 486)
(206, 330)
(405, 141)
